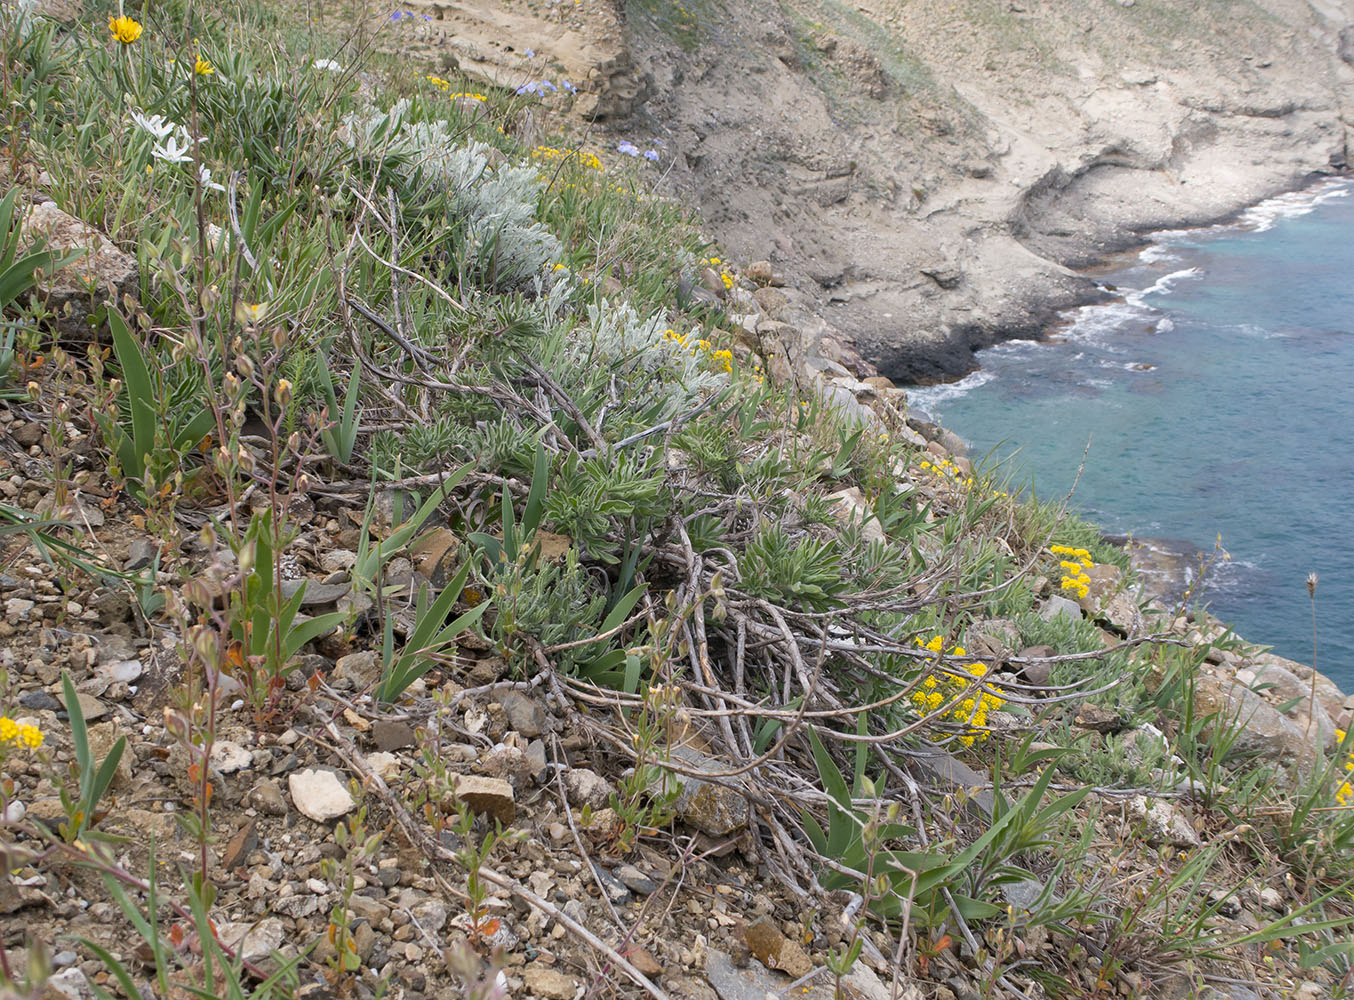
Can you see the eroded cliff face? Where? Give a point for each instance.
(937, 169)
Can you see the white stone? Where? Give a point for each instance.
(254, 941)
(1165, 823)
(319, 795)
(125, 671)
(384, 765)
(1271, 898)
(229, 757)
(70, 983)
(18, 608)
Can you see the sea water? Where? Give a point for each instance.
(1214, 397)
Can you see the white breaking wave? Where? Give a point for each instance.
(1157, 253)
(1163, 285)
(929, 398)
(1262, 217)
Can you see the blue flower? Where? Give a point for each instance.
(628, 148)
(530, 54)
(651, 156)
(568, 86)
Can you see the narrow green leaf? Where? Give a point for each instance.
(140, 393)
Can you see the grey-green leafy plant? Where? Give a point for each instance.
(430, 639)
(92, 777)
(265, 621)
(340, 433)
(806, 572)
(150, 431)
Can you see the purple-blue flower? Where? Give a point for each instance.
(628, 148)
(530, 54)
(651, 156)
(568, 86)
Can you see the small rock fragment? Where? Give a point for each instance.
(320, 795)
(229, 757)
(253, 942)
(548, 984)
(491, 797)
(390, 736)
(525, 714)
(587, 788)
(266, 797)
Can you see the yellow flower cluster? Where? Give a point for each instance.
(1344, 795)
(19, 734)
(202, 67)
(1074, 569)
(725, 275)
(124, 29)
(722, 358)
(947, 471)
(956, 699)
(551, 153)
(445, 87)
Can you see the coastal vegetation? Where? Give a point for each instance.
(361, 439)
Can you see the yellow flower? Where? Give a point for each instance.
(20, 734)
(202, 67)
(124, 29)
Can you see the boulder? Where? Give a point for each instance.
(1262, 731)
(1331, 698)
(994, 639)
(102, 274)
(1281, 687)
(1056, 606)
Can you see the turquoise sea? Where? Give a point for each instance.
(1215, 397)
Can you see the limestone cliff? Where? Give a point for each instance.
(936, 168)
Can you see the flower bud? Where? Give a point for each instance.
(282, 394)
